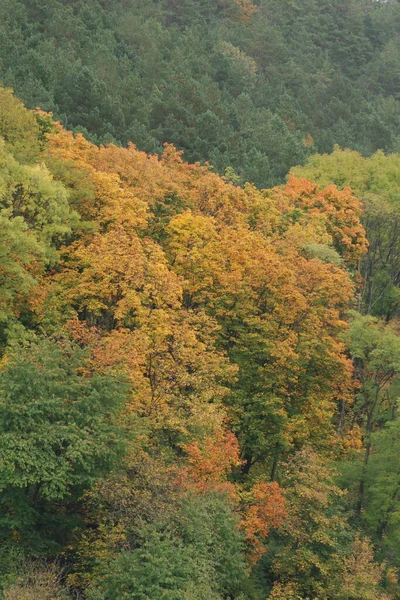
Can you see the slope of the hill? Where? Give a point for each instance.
(251, 86)
(175, 379)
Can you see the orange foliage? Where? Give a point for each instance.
(209, 464)
(117, 278)
(301, 201)
(190, 282)
(265, 510)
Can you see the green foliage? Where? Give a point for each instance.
(58, 435)
(324, 253)
(198, 555)
(19, 249)
(375, 350)
(256, 89)
(19, 128)
(382, 501)
(209, 524)
(162, 569)
(35, 218)
(30, 194)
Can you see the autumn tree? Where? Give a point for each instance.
(262, 288)
(374, 181)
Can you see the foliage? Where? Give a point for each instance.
(161, 568)
(197, 553)
(319, 559)
(37, 581)
(58, 435)
(179, 367)
(375, 181)
(256, 86)
(18, 128)
(381, 503)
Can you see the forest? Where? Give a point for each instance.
(199, 300)
(252, 86)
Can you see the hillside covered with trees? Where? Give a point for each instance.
(199, 360)
(252, 86)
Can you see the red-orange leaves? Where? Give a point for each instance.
(210, 462)
(264, 510)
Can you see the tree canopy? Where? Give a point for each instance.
(254, 86)
(199, 360)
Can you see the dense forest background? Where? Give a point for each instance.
(255, 88)
(199, 300)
